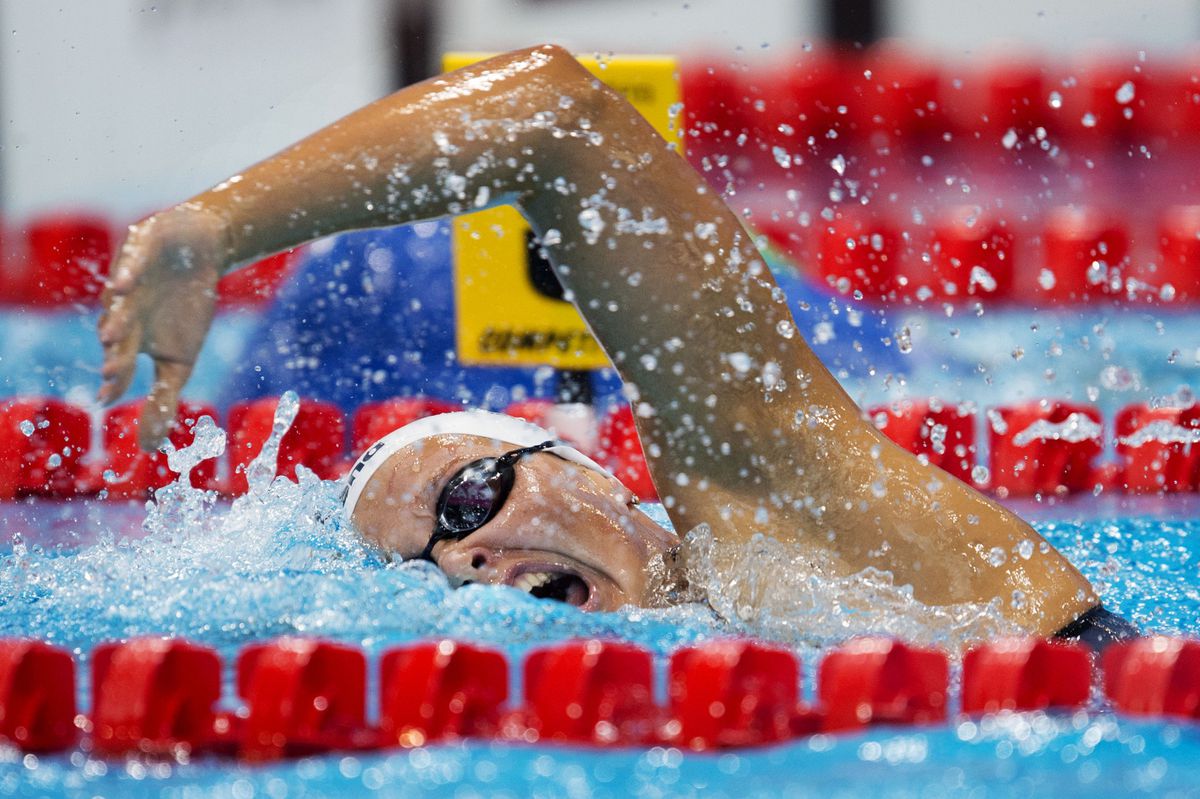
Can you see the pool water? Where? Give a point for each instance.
(278, 561)
(82, 572)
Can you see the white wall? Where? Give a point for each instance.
(123, 106)
(126, 105)
(646, 26)
(1057, 27)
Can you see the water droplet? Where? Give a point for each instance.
(838, 162)
(1025, 549)
(27, 427)
(785, 328)
(1046, 279)
(649, 362)
(980, 475)
(740, 361)
(904, 340)
(1088, 120)
(1009, 140)
(551, 237)
(996, 556)
(592, 224)
(1018, 353)
(1125, 93)
(781, 157)
(1055, 100)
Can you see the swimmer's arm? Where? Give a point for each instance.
(686, 311)
(742, 423)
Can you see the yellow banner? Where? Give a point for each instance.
(508, 309)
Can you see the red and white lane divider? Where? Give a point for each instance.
(303, 696)
(1084, 256)
(1044, 447)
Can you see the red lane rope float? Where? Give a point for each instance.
(154, 695)
(441, 691)
(735, 693)
(1083, 250)
(37, 696)
(620, 451)
(302, 697)
(973, 255)
(42, 444)
(316, 439)
(67, 258)
(594, 692)
(255, 285)
(1047, 447)
(881, 681)
(1155, 676)
(1025, 674)
(374, 420)
(1044, 447)
(1179, 250)
(1157, 450)
(159, 696)
(942, 434)
(134, 473)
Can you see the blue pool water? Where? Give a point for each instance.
(80, 573)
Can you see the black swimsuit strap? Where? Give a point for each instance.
(1098, 628)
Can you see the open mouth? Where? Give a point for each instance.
(553, 584)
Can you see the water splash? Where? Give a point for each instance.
(784, 592)
(1075, 428)
(261, 471)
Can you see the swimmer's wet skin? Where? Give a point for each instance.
(745, 430)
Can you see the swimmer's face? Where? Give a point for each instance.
(565, 532)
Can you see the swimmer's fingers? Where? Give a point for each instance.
(119, 327)
(158, 412)
(120, 360)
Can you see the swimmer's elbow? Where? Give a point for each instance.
(573, 76)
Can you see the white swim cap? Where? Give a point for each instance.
(484, 424)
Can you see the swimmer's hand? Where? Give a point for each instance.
(159, 300)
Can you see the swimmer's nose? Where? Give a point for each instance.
(471, 565)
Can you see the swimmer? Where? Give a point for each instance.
(745, 430)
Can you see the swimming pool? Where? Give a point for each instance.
(80, 573)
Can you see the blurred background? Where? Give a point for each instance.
(984, 204)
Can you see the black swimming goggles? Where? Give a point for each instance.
(474, 495)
